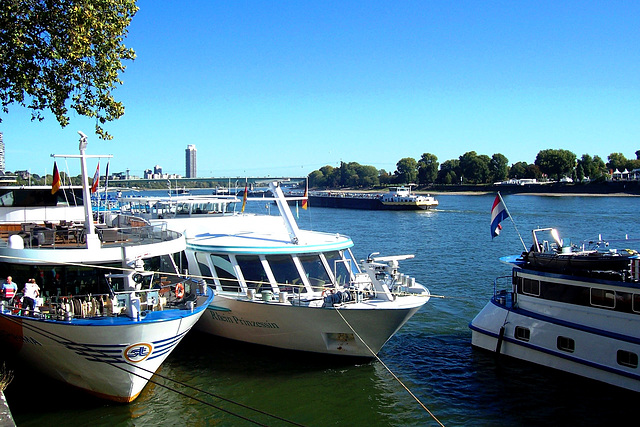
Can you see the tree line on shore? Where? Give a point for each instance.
(472, 168)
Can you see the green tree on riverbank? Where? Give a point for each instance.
(473, 168)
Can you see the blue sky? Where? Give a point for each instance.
(281, 88)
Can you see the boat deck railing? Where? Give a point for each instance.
(122, 303)
(132, 231)
(503, 290)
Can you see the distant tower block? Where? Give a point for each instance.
(191, 161)
(1, 154)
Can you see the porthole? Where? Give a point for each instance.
(566, 344)
(523, 334)
(627, 358)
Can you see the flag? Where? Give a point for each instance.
(244, 197)
(305, 202)
(96, 179)
(498, 213)
(55, 184)
(106, 177)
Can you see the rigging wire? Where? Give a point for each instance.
(390, 371)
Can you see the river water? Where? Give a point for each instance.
(431, 355)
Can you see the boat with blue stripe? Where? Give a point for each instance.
(104, 303)
(572, 307)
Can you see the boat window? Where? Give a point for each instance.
(253, 271)
(531, 287)
(205, 271)
(315, 271)
(627, 358)
(348, 255)
(285, 272)
(341, 268)
(81, 280)
(163, 263)
(182, 209)
(636, 303)
(521, 333)
(603, 298)
(224, 272)
(566, 344)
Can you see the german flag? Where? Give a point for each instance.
(55, 184)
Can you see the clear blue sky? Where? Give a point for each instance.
(281, 88)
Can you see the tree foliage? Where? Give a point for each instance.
(556, 163)
(473, 169)
(64, 54)
(427, 169)
(498, 167)
(406, 170)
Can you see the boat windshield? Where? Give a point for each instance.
(224, 272)
(253, 271)
(316, 273)
(341, 268)
(285, 272)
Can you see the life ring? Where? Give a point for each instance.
(179, 290)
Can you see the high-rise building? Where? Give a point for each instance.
(1, 154)
(191, 161)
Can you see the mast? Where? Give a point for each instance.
(285, 212)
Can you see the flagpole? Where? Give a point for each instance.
(512, 221)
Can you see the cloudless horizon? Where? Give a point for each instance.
(284, 88)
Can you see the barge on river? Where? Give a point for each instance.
(398, 198)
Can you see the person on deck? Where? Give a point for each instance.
(30, 293)
(9, 290)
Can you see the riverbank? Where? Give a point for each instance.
(617, 189)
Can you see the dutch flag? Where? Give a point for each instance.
(498, 213)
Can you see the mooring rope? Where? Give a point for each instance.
(390, 371)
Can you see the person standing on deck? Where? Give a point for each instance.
(9, 289)
(30, 293)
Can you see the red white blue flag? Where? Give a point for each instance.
(498, 213)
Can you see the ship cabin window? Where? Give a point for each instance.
(62, 279)
(203, 266)
(341, 268)
(224, 272)
(522, 333)
(285, 273)
(603, 298)
(627, 358)
(531, 287)
(315, 271)
(566, 344)
(353, 263)
(253, 272)
(166, 263)
(635, 303)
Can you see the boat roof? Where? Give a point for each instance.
(253, 234)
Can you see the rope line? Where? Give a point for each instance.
(390, 372)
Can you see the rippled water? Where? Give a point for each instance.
(432, 354)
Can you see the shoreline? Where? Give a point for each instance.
(467, 192)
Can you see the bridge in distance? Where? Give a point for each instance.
(210, 182)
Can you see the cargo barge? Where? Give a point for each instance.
(398, 198)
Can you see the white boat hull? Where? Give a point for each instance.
(108, 357)
(594, 356)
(341, 331)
